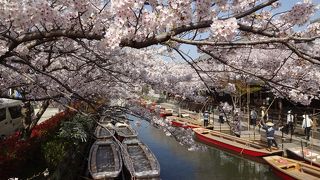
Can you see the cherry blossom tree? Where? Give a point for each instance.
(65, 48)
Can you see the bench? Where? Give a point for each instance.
(311, 171)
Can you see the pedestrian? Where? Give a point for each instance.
(237, 122)
(307, 124)
(205, 118)
(264, 114)
(221, 115)
(290, 122)
(253, 117)
(270, 134)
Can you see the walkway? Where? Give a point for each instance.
(296, 139)
(51, 111)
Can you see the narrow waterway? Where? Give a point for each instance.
(178, 163)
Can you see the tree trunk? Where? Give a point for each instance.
(29, 120)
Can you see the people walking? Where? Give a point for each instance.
(307, 124)
(253, 117)
(264, 114)
(270, 134)
(205, 118)
(290, 122)
(221, 115)
(237, 122)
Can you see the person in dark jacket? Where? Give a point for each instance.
(270, 134)
(253, 117)
(205, 119)
(221, 115)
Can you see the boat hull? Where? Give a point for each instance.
(139, 161)
(230, 147)
(282, 175)
(241, 150)
(125, 131)
(288, 169)
(298, 157)
(184, 125)
(105, 160)
(104, 132)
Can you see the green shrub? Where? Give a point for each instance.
(54, 151)
(77, 129)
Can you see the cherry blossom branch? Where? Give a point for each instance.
(254, 9)
(267, 81)
(285, 41)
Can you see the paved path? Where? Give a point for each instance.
(296, 139)
(47, 114)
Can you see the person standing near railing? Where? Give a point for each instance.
(253, 117)
(205, 118)
(264, 114)
(307, 124)
(221, 115)
(290, 122)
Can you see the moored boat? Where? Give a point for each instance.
(138, 159)
(105, 119)
(105, 160)
(184, 122)
(165, 112)
(234, 144)
(124, 130)
(312, 157)
(107, 131)
(290, 169)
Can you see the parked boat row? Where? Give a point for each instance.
(117, 150)
(306, 168)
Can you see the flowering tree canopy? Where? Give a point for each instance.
(55, 48)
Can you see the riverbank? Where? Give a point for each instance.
(284, 140)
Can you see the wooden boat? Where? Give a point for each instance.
(124, 130)
(165, 112)
(233, 144)
(309, 156)
(105, 160)
(184, 122)
(105, 119)
(290, 169)
(139, 160)
(104, 132)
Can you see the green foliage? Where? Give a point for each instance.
(77, 129)
(61, 147)
(54, 151)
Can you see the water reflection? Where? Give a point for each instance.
(178, 163)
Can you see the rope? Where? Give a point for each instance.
(244, 147)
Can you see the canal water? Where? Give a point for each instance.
(178, 163)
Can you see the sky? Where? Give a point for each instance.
(285, 5)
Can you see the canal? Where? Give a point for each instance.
(178, 163)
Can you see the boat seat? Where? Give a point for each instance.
(241, 141)
(287, 166)
(311, 171)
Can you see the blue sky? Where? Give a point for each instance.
(285, 5)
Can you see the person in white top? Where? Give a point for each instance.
(290, 122)
(264, 114)
(307, 124)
